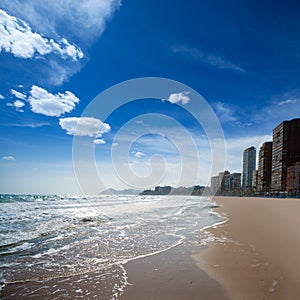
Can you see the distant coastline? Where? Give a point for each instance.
(169, 190)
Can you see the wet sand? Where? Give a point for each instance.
(261, 257)
(171, 275)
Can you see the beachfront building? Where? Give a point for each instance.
(222, 176)
(249, 162)
(293, 179)
(264, 168)
(285, 152)
(217, 183)
(254, 180)
(214, 185)
(233, 183)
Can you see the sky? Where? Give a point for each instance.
(227, 73)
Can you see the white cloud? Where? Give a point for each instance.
(75, 18)
(177, 97)
(17, 37)
(43, 102)
(29, 125)
(56, 72)
(84, 126)
(224, 112)
(17, 105)
(139, 154)
(18, 94)
(8, 157)
(288, 101)
(98, 141)
(1, 97)
(59, 30)
(114, 145)
(212, 60)
(278, 110)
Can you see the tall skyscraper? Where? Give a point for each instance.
(285, 152)
(264, 167)
(249, 162)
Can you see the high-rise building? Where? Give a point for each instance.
(217, 183)
(249, 162)
(222, 176)
(264, 167)
(293, 179)
(233, 183)
(214, 185)
(254, 180)
(285, 152)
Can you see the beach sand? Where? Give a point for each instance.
(261, 257)
(169, 275)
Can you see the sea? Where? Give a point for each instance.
(58, 247)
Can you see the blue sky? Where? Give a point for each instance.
(243, 57)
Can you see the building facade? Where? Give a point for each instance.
(293, 179)
(285, 152)
(254, 180)
(233, 183)
(249, 162)
(222, 176)
(264, 168)
(217, 183)
(214, 185)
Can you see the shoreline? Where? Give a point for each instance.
(164, 275)
(174, 276)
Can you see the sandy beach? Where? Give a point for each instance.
(254, 255)
(171, 275)
(260, 259)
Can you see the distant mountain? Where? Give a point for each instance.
(120, 192)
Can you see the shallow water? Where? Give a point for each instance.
(52, 237)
